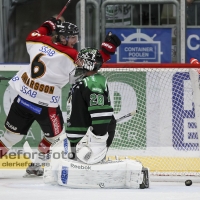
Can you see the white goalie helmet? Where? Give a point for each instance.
(88, 59)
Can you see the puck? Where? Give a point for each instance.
(188, 182)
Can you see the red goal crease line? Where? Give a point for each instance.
(152, 65)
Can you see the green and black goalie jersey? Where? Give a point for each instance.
(88, 104)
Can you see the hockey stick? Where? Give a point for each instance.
(2, 78)
(127, 115)
(64, 8)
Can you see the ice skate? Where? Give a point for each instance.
(34, 170)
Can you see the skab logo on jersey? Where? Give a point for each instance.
(64, 174)
(11, 126)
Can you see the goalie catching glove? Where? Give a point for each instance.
(110, 44)
(52, 24)
(92, 148)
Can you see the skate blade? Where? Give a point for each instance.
(31, 176)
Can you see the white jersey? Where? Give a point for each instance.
(50, 64)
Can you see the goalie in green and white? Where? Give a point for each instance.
(90, 131)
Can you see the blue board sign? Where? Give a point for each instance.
(193, 44)
(151, 45)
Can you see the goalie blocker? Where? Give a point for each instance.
(110, 174)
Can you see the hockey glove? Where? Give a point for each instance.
(194, 61)
(52, 24)
(110, 44)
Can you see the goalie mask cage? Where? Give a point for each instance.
(164, 135)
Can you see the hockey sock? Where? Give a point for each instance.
(3, 149)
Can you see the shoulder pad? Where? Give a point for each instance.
(96, 83)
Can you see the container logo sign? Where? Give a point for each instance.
(139, 50)
(143, 45)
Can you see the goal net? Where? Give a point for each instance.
(164, 133)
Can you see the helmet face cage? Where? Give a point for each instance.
(67, 29)
(76, 75)
(88, 59)
(91, 59)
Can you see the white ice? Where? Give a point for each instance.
(14, 186)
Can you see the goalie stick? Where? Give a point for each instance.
(64, 8)
(127, 115)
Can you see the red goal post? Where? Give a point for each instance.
(165, 132)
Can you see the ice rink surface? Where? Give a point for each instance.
(14, 186)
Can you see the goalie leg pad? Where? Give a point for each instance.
(111, 174)
(60, 149)
(74, 174)
(145, 181)
(134, 174)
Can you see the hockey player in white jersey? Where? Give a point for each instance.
(39, 86)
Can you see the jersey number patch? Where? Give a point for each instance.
(38, 67)
(96, 99)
